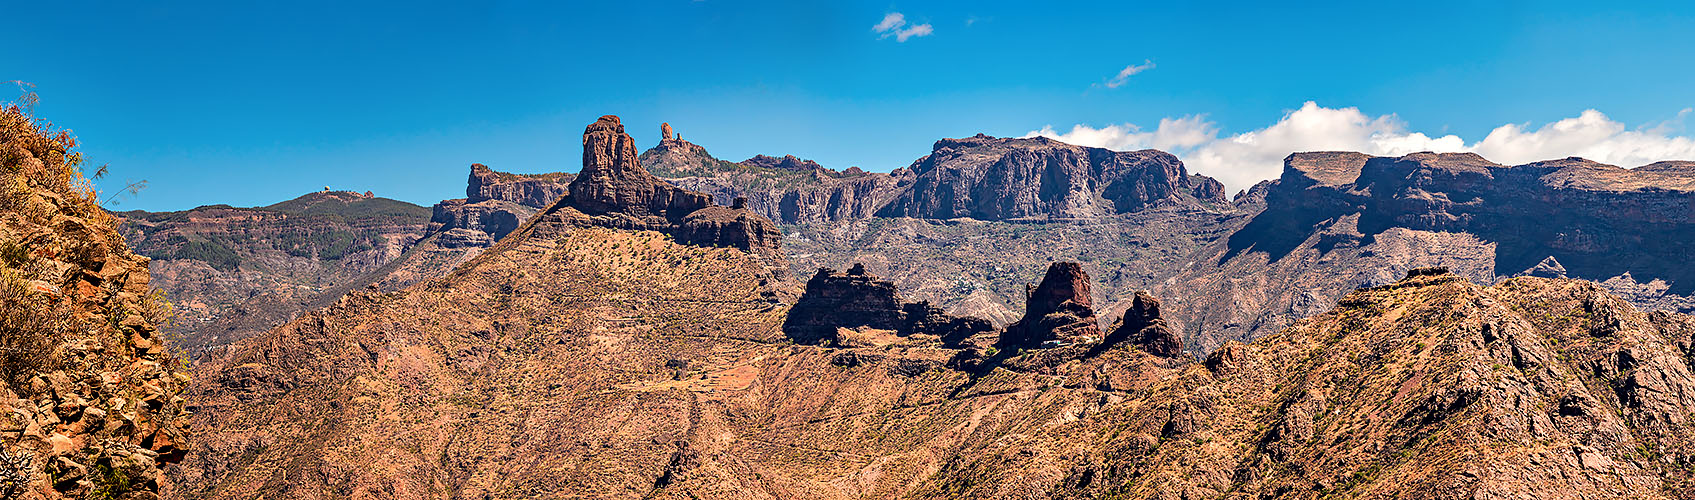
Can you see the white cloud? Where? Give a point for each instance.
(1244, 159)
(894, 24)
(1128, 71)
(890, 21)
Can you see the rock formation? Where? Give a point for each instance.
(788, 189)
(613, 182)
(1057, 311)
(665, 131)
(614, 190)
(992, 178)
(495, 203)
(856, 299)
(90, 403)
(1142, 326)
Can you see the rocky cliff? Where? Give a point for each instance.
(90, 403)
(993, 178)
(1337, 221)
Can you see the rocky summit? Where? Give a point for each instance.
(614, 190)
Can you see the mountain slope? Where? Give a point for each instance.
(1431, 387)
(237, 271)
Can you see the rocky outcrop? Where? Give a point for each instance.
(537, 190)
(1141, 326)
(614, 190)
(732, 226)
(991, 178)
(495, 204)
(665, 131)
(90, 403)
(1059, 311)
(856, 299)
(613, 182)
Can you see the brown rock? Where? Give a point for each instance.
(1059, 310)
(613, 180)
(857, 299)
(1142, 326)
(665, 131)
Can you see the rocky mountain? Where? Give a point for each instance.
(1338, 221)
(980, 177)
(90, 389)
(788, 190)
(989, 178)
(574, 359)
(232, 272)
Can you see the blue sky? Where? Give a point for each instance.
(256, 103)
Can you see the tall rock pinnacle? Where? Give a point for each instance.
(1059, 309)
(613, 180)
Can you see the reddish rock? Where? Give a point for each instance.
(613, 181)
(1142, 327)
(856, 299)
(1059, 310)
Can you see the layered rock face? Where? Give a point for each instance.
(856, 299)
(1059, 310)
(90, 403)
(495, 204)
(992, 178)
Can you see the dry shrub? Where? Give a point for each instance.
(32, 326)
